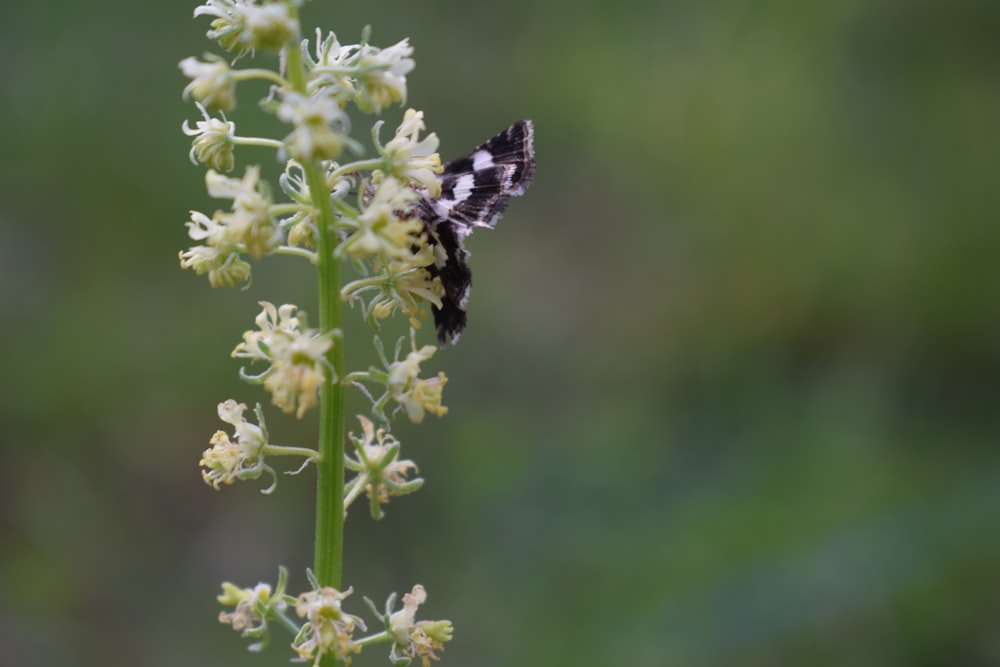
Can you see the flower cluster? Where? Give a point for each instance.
(380, 231)
(328, 630)
(382, 75)
(321, 125)
(381, 234)
(415, 394)
(214, 141)
(381, 473)
(248, 227)
(239, 457)
(253, 608)
(248, 616)
(410, 159)
(413, 638)
(212, 82)
(245, 25)
(249, 224)
(296, 354)
(339, 208)
(398, 285)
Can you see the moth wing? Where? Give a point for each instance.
(475, 190)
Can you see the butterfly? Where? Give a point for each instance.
(475, 189)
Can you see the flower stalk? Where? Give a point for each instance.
(378, 233)
(328, 555)
(328, 552)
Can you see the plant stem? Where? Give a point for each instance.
(330, 476)
(328, 555)
(286, 450)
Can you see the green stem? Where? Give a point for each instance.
(289, 624)
(353, 494)
(328, 555)
(257, 141)
(360, 165)
(296, 252)
(267, 75)
(286, 450)
(380, 638)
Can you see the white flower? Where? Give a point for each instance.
(224, 269)
(301, 224)
(381, 473)
(328, 629)
(247, 434)
(238, 458)
(212, 82)
(411, 160)
(402, 285)
(219, 259)
(270, 26)
(382, 75)
(246, 192)
(320, 126)
(271, 323)
(297, 358)
(380, 230)
(213, 143)
(329, 52)
(203, 228)
(416, 395)
(298, 374)
(413, 638)
(331, 68)
(243, 25)
(253, 607)
(246, 617)
(403, 373)
(249, 223)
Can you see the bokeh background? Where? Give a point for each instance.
(729, 394)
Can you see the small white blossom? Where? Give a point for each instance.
(298, 374)
(381, 473)
(223, 269)
(270, 26)
(213, 143)
(331, 68)
(413, 161)
(246, 617)
(250, 222)
(320, 126)
(302, 230)
(272, 323)
(297, 358)
(243, 25)
(300, 225)
(247, 192)
(398, 285)
(413, 638)
(380, 230)
(212, 82)
(329, 51)
(220, 259)
(249, 435)
(253, 607)
(203, 228)
(238, 458)
(416, 395)
(328, 629)
(382, 75)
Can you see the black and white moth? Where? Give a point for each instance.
(474, 193)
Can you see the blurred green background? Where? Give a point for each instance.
(729, 394)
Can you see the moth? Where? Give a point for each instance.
(475, 189)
